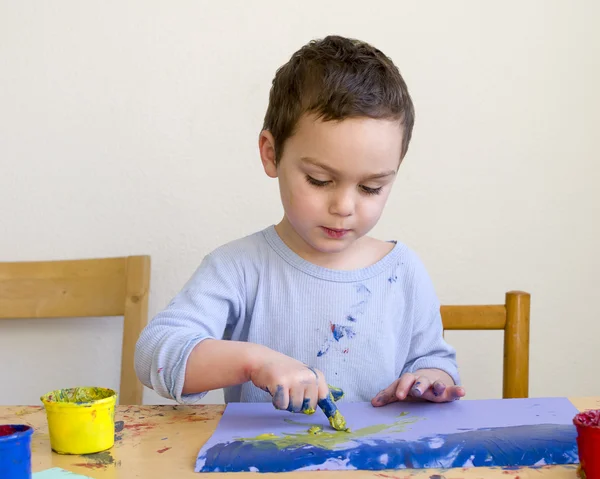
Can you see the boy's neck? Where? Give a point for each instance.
(362, 253)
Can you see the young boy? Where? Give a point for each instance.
(279, 314)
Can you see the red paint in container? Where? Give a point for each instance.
(15, 451)
(588, 443)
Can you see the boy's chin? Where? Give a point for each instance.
(331, 246)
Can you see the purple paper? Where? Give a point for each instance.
(466, 433)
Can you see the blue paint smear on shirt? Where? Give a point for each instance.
(324, 349)
(530, 445)
(362, 289)
(340, 331)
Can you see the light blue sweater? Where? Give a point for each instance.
(362, 328)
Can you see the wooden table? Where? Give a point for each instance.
(163, 442)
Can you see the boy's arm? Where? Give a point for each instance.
(428, 349)
(222, 363)
(211, 302)
(430, 371)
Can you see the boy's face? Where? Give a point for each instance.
(334, 178)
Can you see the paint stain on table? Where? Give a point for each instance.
(26, 411)
(164, 449)
(137, 429)
(99, 460)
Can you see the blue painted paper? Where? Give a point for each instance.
(466, 433)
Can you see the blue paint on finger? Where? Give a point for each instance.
(415, 391)
(293, 407)
(337, 393)
(278, 397)
(438, 388)
(328, 406)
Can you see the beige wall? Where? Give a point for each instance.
(131, 128)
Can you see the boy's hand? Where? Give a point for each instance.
(427, 384)
(293, 385)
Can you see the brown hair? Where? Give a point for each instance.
(337, 78)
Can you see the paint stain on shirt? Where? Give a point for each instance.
(339, 331)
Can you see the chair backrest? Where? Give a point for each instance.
(83, 288)
(513, 318)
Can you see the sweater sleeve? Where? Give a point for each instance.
(428, 349)
(211, 302)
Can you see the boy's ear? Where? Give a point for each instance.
(266, 146)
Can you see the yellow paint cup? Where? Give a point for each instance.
(81, 420)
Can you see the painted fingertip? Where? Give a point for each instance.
(336, 393)
(306, 409)
(278, 397)
(328, 406)
(438, 388)
(415, 391)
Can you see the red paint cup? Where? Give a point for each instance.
(588, 443)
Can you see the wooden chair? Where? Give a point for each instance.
(513, 318)
(83, 288)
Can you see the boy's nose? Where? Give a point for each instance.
(342, 204)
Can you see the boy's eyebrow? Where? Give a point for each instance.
(312, 161)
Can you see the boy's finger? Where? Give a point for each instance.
(386, 396)
(328, 406)
(309, 404)
(438, 388)
(336, 419)
(325, 401)
(296, 400)
(405, 385)
(454, 392)
(307, 407)
(420, 386)
(337, 393)
(281, 397)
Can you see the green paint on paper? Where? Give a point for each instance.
(327, 439)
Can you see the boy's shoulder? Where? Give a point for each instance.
(405, 255)
(246, 248)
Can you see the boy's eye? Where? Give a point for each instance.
(370, 191)
(315, 182)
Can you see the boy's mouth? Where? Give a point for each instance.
(334, 232)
